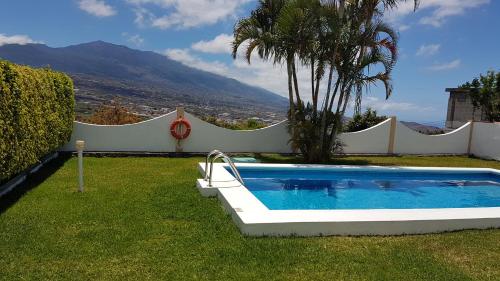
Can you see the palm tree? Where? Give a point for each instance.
(341, 38)
(259, 32)
(372, 9)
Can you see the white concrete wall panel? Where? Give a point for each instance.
(151, 135)
(154, 136)
(374, 140)
(206, 137)
(486, 140)
(408, 141)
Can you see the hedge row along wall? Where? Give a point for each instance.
(36, 115)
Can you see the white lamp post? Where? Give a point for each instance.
(80, 145)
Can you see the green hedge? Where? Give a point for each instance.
(36, 115)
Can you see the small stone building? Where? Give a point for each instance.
(460, 109)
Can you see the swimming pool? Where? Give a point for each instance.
(312, 200)
(376, 188)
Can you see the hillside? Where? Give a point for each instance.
(146, 81)
(424, 129)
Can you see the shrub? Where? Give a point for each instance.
(366, 120)
(36, 115)
(249, 124)
(114, 114)
(305, 134)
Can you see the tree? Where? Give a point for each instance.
(258, 30)
(248, 124)
(364, 121)
(485, 94)
(345, 40)
(114, 114)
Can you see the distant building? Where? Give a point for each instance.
(460, 109)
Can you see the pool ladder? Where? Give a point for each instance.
(216, 154)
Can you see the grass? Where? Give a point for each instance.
(143, 219)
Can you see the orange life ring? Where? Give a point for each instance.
(176, 130)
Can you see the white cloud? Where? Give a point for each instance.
(439, 10)
(403, 27)
(392, 106)
(185, 13)
(428, 50)
(219, 45)
(273, 78)
(185, 57)
(15, 39)
(446, 66)
(142, 16)
(135, 39)
(97, 8)
(259, 73)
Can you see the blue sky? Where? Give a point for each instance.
(443, 44)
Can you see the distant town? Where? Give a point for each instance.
(147, 109)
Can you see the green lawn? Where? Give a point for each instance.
(143, 219)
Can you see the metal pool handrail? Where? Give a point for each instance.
(216, 151)
(231, 165)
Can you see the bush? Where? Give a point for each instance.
(36, 115)
(366, 120)
(249, 124)
(314, 134)
(114, 114)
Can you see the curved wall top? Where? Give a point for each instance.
(150, 135)
(154, 136)
(373, 140)
(486, 140)
(408, 141)
(206, 137)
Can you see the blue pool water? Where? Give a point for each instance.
(300, 188)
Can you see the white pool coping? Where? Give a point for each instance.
(254, 219)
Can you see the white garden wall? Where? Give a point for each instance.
(154, 136)
(374, 140)
(486, 140)
(205, 137)
(408, 141)
(151, 135)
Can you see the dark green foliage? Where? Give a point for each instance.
(304, 134)
(249, 124)
(485, 94)
(364, 121)
(36, 115)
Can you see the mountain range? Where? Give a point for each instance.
(152, 84)
(146, 80)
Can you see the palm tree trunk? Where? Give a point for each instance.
(328, 89)
(296, 84)
(343, 101)
(341, 8)
(339, 104)
(290, 91)
(316, 91)
(337, 84)
(312, 81)
(324, 112)
(346, 101)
